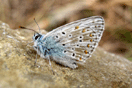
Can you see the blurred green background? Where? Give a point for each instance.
(49, 14)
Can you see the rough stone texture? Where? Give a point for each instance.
(17, 69)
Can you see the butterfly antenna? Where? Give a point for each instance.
(37, 25)
(27, 29)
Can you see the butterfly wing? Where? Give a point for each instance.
(78, 40)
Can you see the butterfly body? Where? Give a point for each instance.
(48, 48)
(72, 43)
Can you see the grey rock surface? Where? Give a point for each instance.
(17, 69)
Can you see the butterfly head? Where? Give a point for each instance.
(37, 36)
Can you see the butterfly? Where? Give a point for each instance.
(70, 44)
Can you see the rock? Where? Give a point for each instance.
(17, 69)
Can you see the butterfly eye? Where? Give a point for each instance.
(36, 37)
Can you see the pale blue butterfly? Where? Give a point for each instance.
(72, 43)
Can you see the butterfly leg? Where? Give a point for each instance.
(29, 43)
(36, 57)
(35, 60)
(50, 64)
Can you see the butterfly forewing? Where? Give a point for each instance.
(79, 38)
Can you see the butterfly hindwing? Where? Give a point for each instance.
(77, 40)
